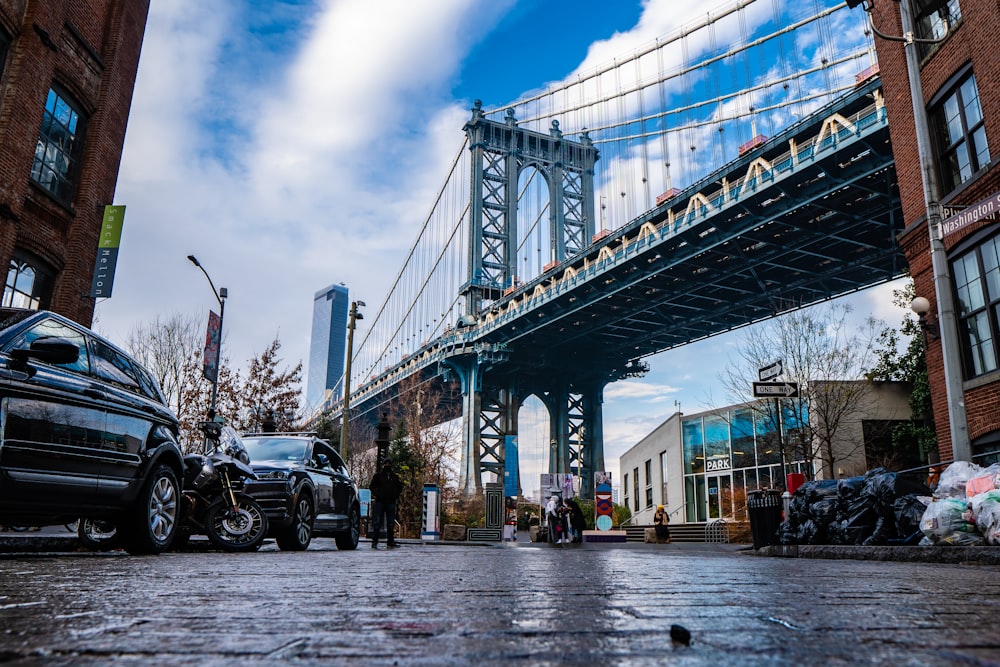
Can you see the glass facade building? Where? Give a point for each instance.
(327, 346)
(728, 454)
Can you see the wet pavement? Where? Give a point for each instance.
(441, 604)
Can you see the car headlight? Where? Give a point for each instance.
(282, 475)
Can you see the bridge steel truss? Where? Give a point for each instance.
(501, 151)
(810, 215)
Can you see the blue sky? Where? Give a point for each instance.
(291, 145)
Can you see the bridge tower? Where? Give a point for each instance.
(500, 152)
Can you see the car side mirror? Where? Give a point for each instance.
(49, 349)
(322, 461)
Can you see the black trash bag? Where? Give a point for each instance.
(885, 487)
(798, 508)
(824, 512)
(908, 510)
(861, 524)
(836, 534)
(787, 533)
(848, 491)
(809, 533)
(823, 489)
(885, 530)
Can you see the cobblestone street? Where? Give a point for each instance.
(462, 605)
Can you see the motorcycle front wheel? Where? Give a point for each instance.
(97, 535)
(242, 528)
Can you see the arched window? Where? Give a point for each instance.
(29, 282)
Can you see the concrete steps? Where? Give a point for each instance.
(687, 532)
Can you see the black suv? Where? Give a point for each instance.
(304, 488)
(85, 432)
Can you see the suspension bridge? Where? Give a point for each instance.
(735, 170)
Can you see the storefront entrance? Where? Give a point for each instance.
(720, 495)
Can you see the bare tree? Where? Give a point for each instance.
(164, 346)
(424, 445)
(826, 353)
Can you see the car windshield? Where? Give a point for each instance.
(275, 449)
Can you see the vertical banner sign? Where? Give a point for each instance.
(603, 506)
(212, 342)
(107, 251)
(510, 470)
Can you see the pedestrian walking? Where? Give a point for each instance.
(385, 487)
(660, 521)
(553, 520)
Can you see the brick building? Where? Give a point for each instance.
(67, 71)
(960, 77)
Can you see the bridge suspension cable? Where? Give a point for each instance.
(650, 112)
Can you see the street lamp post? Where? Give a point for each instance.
(947, 322)
(353, 316)
(220, 296)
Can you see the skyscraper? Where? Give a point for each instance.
(327, 345)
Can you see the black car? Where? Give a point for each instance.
(85, 433)
(304, 488)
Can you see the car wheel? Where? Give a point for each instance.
(151, 524)
(296, 537)
(348, 540)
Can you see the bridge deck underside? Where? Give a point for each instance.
(825, 229)
(828, 230)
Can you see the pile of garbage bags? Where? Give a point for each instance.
(965, 509)
(884, 507)
(881, 507)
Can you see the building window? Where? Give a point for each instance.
(960, 135)
(626, 489)
(932, 18)
(977, 287)
(29, 282)
(663, 478)
(58, 149)
(4, 46)
(635, 488)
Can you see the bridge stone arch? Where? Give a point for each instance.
(500, 152)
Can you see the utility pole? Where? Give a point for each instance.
(947, 322)
(353, 316)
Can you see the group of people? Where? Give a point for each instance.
(565, 521)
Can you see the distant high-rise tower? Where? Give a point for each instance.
(327, 345)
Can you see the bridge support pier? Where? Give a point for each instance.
(576, 432)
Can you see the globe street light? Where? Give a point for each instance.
(353, 316)
(220, 296)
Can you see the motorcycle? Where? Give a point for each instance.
(95, 534)
(213, 502)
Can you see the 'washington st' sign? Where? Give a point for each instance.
(981, 210)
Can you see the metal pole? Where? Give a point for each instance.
(960, 445)
(220, 296)
(345, 415)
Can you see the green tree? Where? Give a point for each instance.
(900, 357)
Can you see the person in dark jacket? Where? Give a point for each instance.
(385, 487)
(576, 520)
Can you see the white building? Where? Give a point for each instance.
(701, 466)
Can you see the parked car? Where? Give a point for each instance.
(86, 432)
(304, 488)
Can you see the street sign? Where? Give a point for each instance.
(776, 389)
(770, 372)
